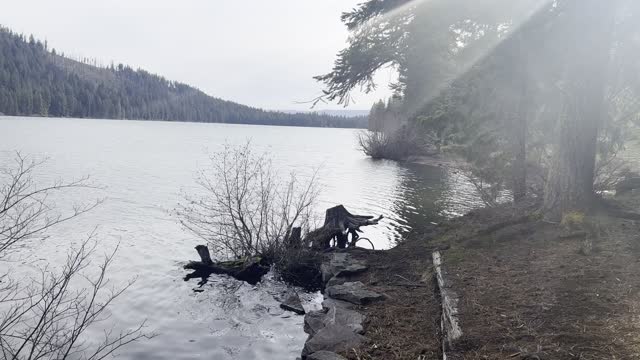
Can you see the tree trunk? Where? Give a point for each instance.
(570, 184)
(520, 123)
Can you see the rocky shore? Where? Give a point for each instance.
(338, 327)
(494, 284)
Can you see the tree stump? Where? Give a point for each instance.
(338, 223)
(294, 240)
(205, 256)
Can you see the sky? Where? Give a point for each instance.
(256, 52)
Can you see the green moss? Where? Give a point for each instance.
(573, 220)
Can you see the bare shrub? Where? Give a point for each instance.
(489, 191)
(611, 168)
(374, 144)
(46, 316)
(609, 172)
(247, 208)
(398, 145)
(490, 178)
(25, 212)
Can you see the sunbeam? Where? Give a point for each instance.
(514, 14)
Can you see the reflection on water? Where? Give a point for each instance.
(427, 195)
(144, 166)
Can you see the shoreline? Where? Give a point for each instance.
(438, 160)
(521, 289)
(177, 121)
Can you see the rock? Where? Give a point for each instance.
(292, 303)
(332, 338)
(333, 314)
(355, 267)
(314, 321)
(325, 355)
(353, 292)
(344, 317)
(337, 261)
(329, 303)
(336, 281)
(341, 264)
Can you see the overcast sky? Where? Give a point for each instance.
(256, 52)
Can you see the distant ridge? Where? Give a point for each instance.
(36, 80)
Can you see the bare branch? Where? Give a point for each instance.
(246, 209)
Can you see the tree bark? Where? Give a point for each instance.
(520, 123)
(589, 25)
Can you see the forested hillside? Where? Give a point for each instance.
(35, 80)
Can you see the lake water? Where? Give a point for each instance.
(143, 167)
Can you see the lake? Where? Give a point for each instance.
(144, 167)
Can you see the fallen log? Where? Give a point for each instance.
(250, 269)
(338, 224)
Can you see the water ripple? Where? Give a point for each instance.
(145, 165)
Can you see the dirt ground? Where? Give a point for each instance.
(406, 324)
(528, 290)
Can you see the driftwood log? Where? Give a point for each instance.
(338, 224)
(250, 270)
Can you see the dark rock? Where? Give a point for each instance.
(335, 313)
(341, 316)
(341, 264)
(314, 321)
(355, 267)
(329, 303)
(336, 281)
(353, 292)
(292, 303)
(325, 355)
(333, 338)
(337, 261)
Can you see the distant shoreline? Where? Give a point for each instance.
(177, 121)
